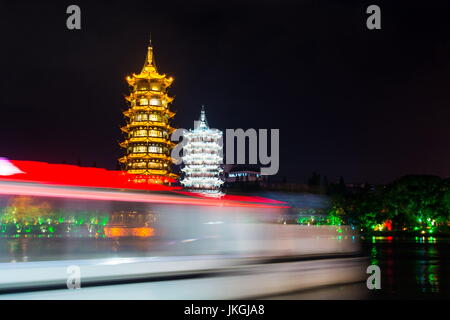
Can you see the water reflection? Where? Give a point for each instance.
(34, 228)
(32, 217)
(374, 256)
(411, 267)
(428, 270)
(35, 249)
(425, 239)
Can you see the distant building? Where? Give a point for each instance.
(358, 187)
(243, 173)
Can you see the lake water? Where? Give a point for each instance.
(411, 268)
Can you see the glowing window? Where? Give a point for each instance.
(154, 149)
(154, 133)
(155, 117)
(141, 117)
(155, 102)
(154, 165)
(140, 149)
(143, 102)
(139, 165)
(143, 85)
(155, 86)
(140, 133)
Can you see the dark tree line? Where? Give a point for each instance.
(413, 203)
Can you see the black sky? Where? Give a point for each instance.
(367, 105)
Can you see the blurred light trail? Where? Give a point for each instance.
(62, 175)
(92, 194)
(234, 197)
(70, 175)
(181, 278)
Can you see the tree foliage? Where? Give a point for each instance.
(413, 202)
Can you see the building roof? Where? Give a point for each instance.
(245, 167)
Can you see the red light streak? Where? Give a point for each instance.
(63, 192)
(64, 181)
(70, 175)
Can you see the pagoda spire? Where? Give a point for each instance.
(202, 123)
(150, 59)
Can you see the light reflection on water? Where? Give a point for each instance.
(413, 267)
(34, 249)
(428, 270)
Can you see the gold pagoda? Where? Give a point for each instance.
(147, 144)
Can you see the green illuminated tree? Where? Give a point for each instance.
(412, 203)
(412, 200)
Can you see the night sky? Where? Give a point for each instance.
(366, 105)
